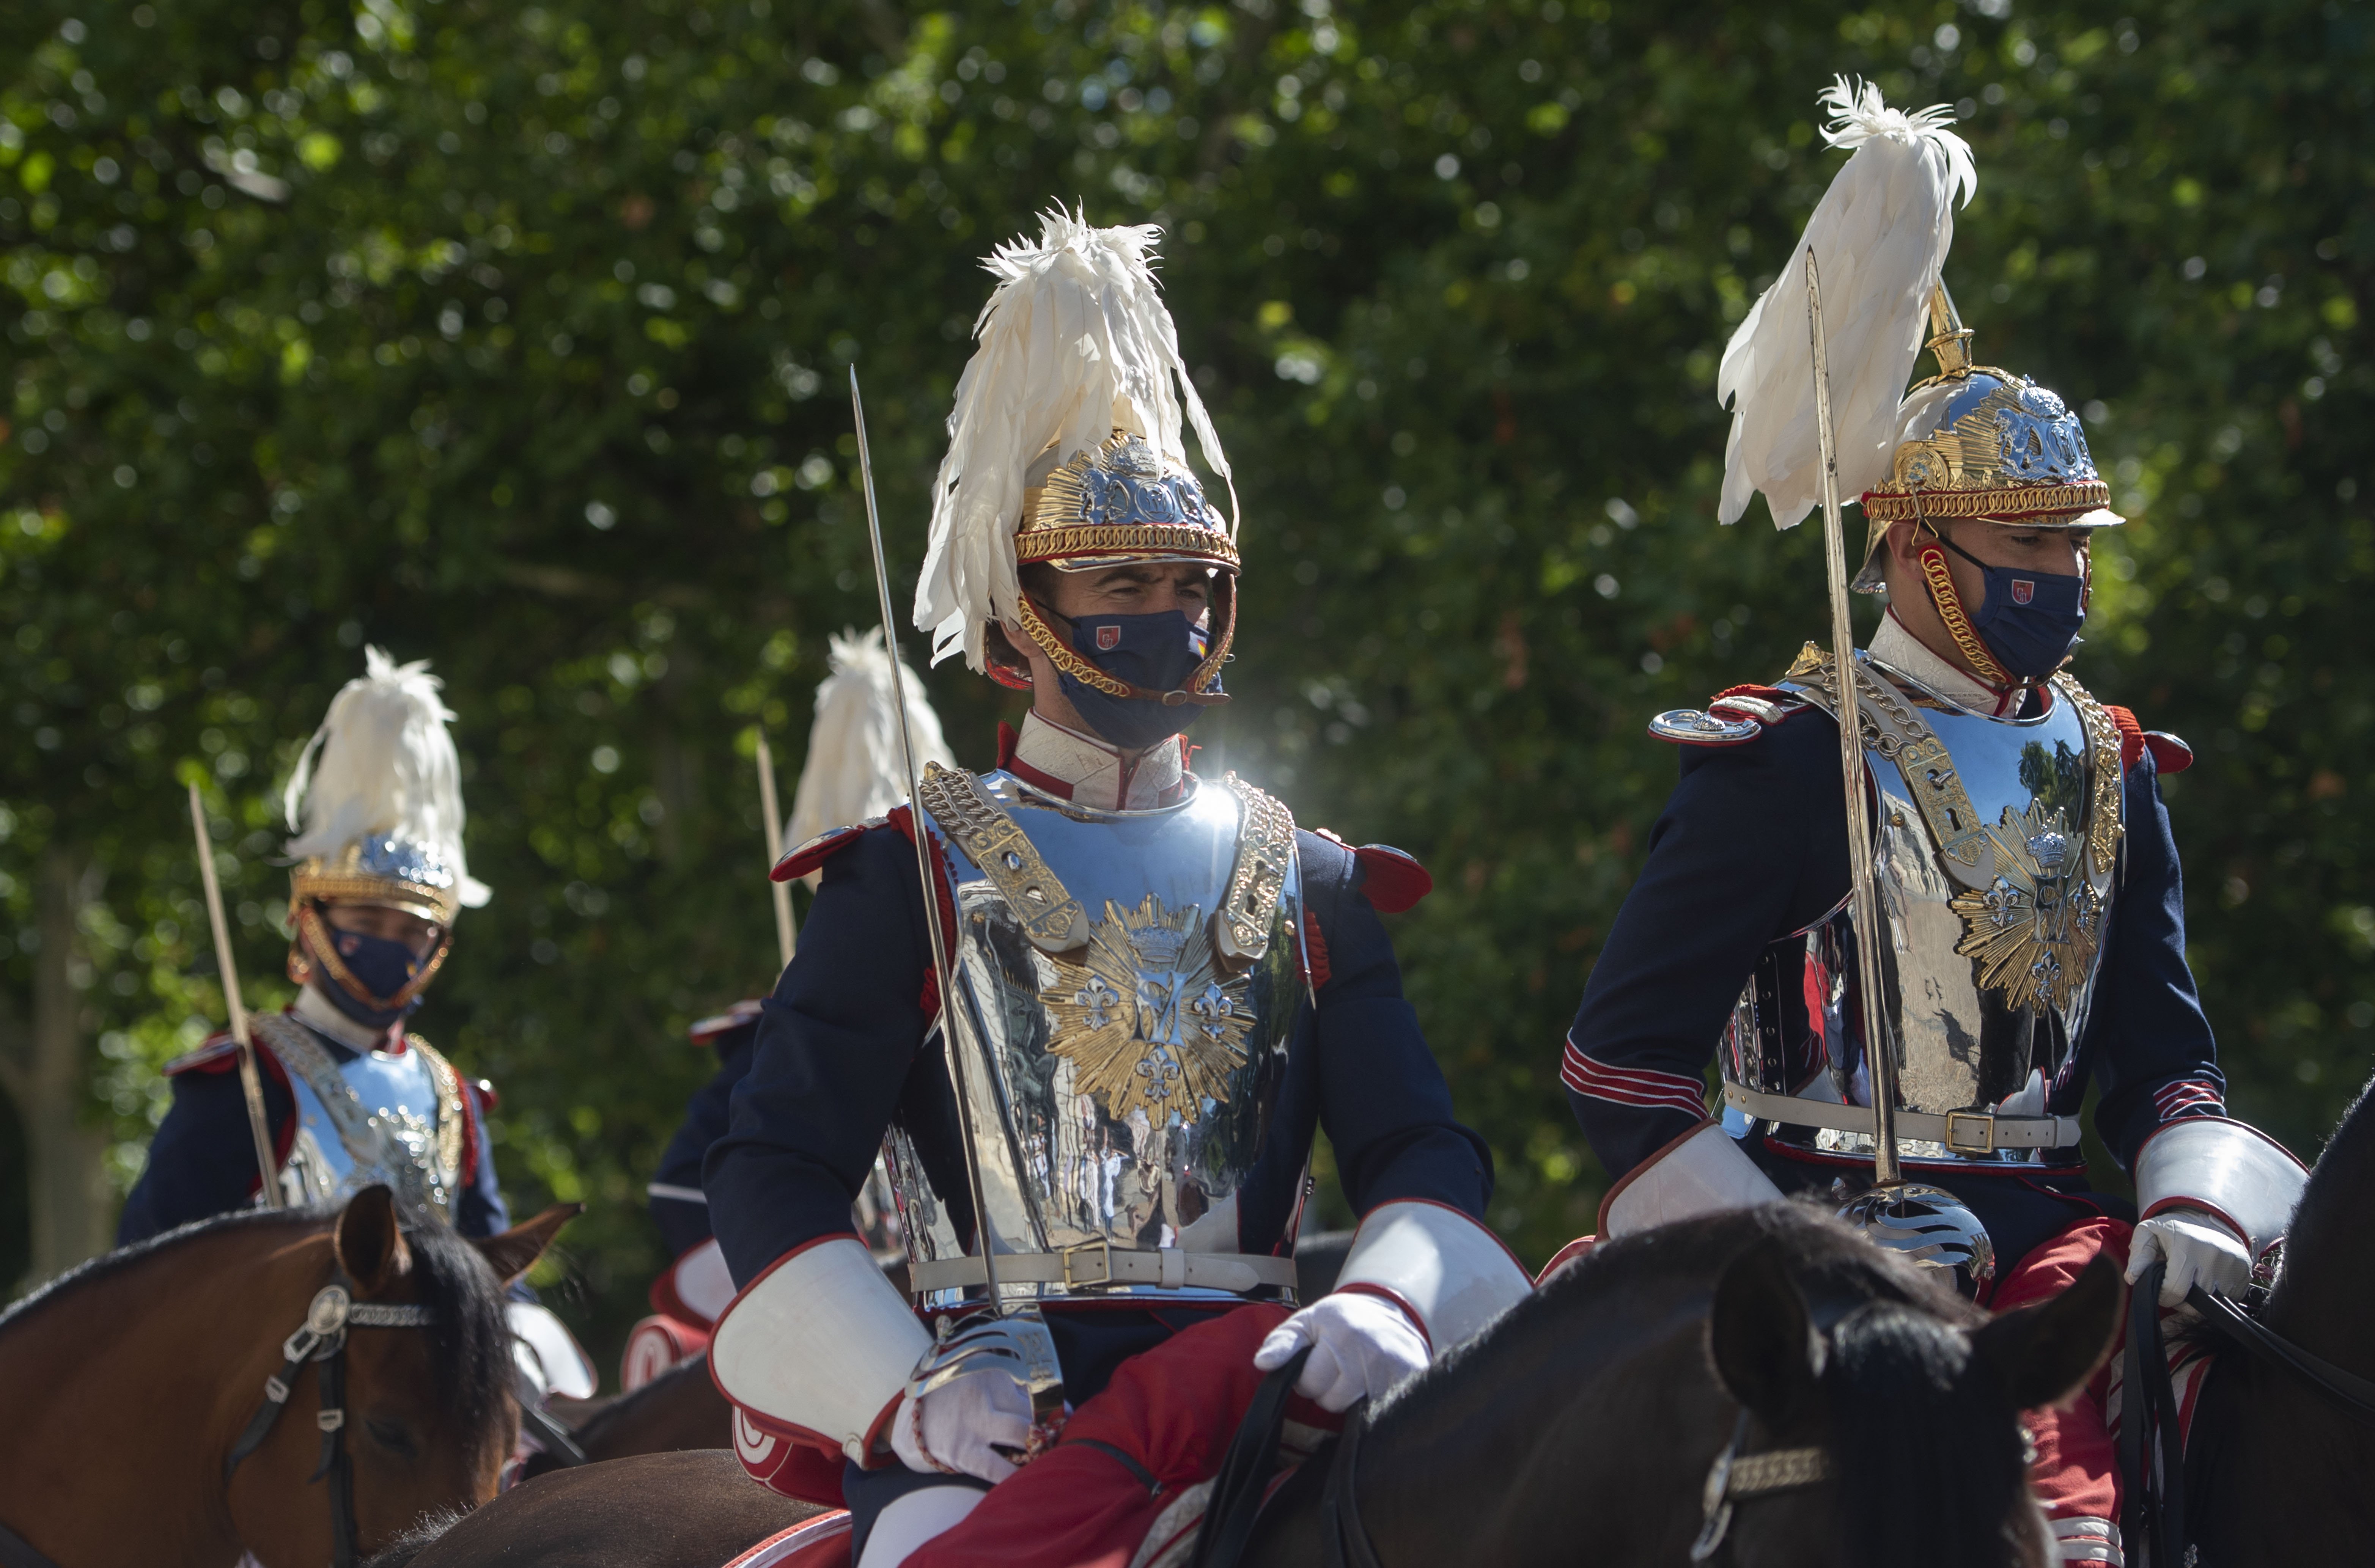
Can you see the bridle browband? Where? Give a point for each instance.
(1741, 1477)
(321, 1338)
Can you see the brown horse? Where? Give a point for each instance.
(128, 1384)
(1581, 1427)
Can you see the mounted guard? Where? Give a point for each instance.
(1161, 985)
(852, 773)
(353, 1099)
(2028, 927)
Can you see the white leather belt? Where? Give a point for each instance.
(1096, 1263)
(1962, 1131)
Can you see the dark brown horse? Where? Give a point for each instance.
(678, 1409)
(2278, 1473)
(1583, 1425)
(127, 1384)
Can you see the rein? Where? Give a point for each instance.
(321, 1338)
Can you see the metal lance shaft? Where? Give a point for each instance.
(787, 933)
(251, 1083)
(1879, 1050)
(952, 1027)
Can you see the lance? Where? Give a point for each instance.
(787, 932)
(1879, 1050)
(251, 1084)
(1019, 1337)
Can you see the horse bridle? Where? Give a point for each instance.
(322, 1339)
(1740, 1478)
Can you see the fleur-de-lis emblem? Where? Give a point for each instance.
(1146, 1017)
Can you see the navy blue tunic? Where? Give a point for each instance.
(842, 1048)
(683, 1223)
(1752, 847)
(202, 1161)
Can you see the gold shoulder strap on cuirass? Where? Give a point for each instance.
(450, 1109)
(1051, 916)
(1265, 856)
(1894, 728)
(2105, 813)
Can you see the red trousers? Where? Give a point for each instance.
(2076, 1475)
(1172, 1409)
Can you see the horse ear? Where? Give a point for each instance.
(515, 1252)
(1763, 1345)
(2041, 1354)
(370, 1243)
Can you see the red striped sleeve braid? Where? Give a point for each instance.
(2186, 1096)
(1644, 1087)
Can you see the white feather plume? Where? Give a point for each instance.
(1075, 343)
(383, 764)
(854, 769)
(1880, 236)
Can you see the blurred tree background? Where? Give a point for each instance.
(513, 337)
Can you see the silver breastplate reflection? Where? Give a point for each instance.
(1133, 976)
(1995, 847)
(372, 1118)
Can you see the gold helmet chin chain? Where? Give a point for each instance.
(1070, 663)
(1948, 602)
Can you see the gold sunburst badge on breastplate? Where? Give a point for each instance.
(2035, 928)
(1149, 1020)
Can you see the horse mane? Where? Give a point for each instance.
(1902, 1412)
(470, 1342)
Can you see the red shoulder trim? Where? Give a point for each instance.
(2169, 754)
(801, 860)
(218, 1054)
(1391, 880)
(1315, 947)
(1769, 694)
(740, 1014)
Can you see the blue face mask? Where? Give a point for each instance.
(2028, 619)
(1153, 652)
(381, 966)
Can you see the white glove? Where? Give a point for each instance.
(952, 1429)
(1362, 1345)
(2199, 1251)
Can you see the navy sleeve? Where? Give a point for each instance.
(1382, 1097)
(1752, 846)
(836, 1042)
(2149, 1043)
(684, 1222)
(202, 1161)
(479, 1208)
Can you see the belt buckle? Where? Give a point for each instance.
(1103, 1249)
(1987, 1124)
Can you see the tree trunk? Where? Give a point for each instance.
(68, 1157)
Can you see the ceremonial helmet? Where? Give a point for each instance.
(375, 806)
(1066, 447)
(1971, 441)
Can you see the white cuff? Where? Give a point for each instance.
(821, 1341)
(700, 1282)
(1701, 1173)
(2235, 1172)
(1444, 1269)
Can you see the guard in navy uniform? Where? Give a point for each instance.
(852, 773)
(353, 1099)
(2028, 884)
(1165, 987)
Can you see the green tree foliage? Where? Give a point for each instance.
(514, 337)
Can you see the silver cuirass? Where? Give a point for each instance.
(1995, 846)
(394, 1119)
(1127, 981)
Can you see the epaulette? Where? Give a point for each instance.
(803, 858)
(218, 1054)
(1391, 880)
(1735, 716)
(739, 1016)
(2170, 755)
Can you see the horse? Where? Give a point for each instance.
(140, 1389)
(2277, 1472)
(1587, 1421)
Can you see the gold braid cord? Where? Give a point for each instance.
(1959, 626)
(318, 948)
